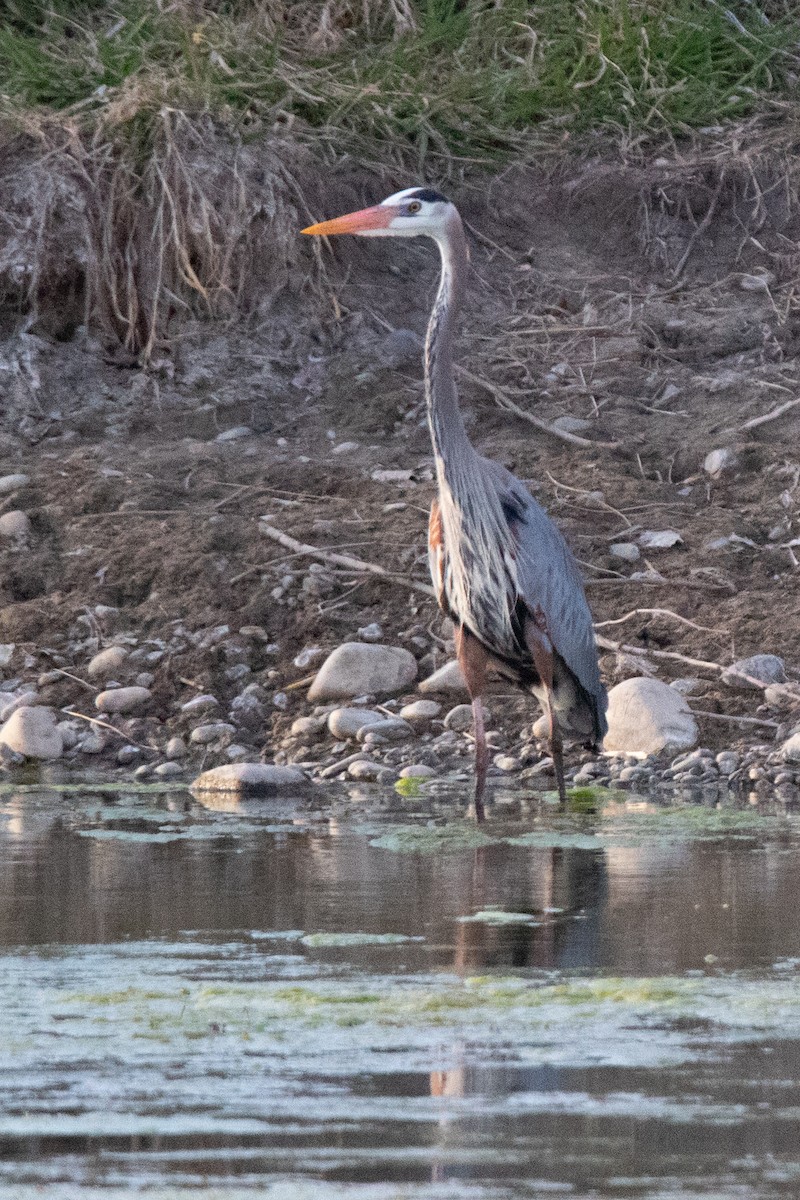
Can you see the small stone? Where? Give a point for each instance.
(214, 731)
(390, 730)
(371, 632)
(199, 704)
(782, 697)
(727, 762)
(93, 741)
(22, 700)
(344, 448)
(647, 716)
(12, 483)
(720, 462)
(459, 719)
(790, 749)
(168, 770)
(417, 771)
(281, 701)
(766, 668)
(420, 712)
(356, 668)
(685, 686)
(309, 729)
(233, 435)
(659, 539)
(627, 551)
(236, 753)
(253, 778)
(15, 524)
(506, 762)
(568, 424)
(123, 700)
(142, 772)
(371, 772)
(33, 733)
(447, 679)
(247, 709)
(127, 754)
(345, 723)
(107, 663)
(175, 748)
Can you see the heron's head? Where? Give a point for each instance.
(415, 212)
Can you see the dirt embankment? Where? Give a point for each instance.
(649, 311)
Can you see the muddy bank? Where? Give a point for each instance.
(602, 302)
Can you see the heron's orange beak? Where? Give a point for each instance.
(377, 217)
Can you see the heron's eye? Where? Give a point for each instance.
(414, 206)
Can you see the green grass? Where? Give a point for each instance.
(452, 77)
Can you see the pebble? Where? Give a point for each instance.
(371, 772)
(355, 668)
(727, 762)
(247, 708)
(717, 462)
(766, 668)
(782, 697)
(417, 771)
(106, 662)
(175, 748)
(459, 719)
(420, 712)
(93, 741)
(345, 723)
(790, 749)
(168, 770)
(12, 483)
(647, 716)
(214, 731)
(390, 730)
(15, 524)
(310, 729)
(127, 754)
(448, 678)
(233, 435)
(506, 762)
(200, 704)
(627, 551)
(236, 753)
(123, 700)
(371, 632)
(255, 778)
(339, 768)
(33, 733)
(21, 700)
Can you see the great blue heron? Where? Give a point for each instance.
(501, 570)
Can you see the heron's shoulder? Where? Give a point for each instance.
(515, 498)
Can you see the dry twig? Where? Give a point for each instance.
(342, 560)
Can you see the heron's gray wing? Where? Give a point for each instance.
(549, 580)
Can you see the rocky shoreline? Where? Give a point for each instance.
(372, 712)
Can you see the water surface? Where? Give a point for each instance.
(357, 995)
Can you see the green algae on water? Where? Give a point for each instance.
(499, 916)
(433, 839)
(318, 941)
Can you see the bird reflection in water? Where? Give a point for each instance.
(573, 885)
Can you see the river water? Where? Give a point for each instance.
(360, 995)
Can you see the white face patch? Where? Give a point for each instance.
(398, 197)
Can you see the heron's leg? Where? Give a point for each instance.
(473, 659)
(542, 654)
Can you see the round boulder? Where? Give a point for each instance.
(359, 669)
(646, 716)
(250, 778)
(122, 700)
(33, 732)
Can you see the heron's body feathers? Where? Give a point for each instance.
(502, 569)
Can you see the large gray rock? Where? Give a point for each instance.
(252, 778)
(122, 700)
(646, 716)
(448, 679)
(358, 669)
(766, 668)
(33, 732)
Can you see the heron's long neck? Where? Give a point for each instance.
(451, 445)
